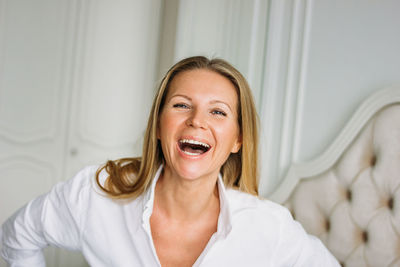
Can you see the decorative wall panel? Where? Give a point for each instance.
(32, 45)
(21, 180)
(118, 68)
(114, 80)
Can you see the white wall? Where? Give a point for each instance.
(353, 50)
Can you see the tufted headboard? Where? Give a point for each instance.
(350, 195)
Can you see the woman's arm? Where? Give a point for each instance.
(55, 218)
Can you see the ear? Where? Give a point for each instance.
(237, 145)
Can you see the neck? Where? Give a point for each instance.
(186, 200)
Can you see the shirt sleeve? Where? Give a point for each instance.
(55, 218)
(298, 249)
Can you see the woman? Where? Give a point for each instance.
(190, 200)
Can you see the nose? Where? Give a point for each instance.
(197, 120)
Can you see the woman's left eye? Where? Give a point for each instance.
(218, 112)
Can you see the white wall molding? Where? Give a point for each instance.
(283, 87)
(257, 49)
(295, 83)
(3, 7)
(79, 36)
(302, 78)
(270, 114)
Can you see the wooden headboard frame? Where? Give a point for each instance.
(327, 159)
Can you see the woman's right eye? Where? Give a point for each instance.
(180, 105)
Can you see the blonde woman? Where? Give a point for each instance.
(190, 200)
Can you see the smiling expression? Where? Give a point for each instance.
(198, 125)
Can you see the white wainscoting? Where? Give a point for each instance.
(76, 83)
(32, 100)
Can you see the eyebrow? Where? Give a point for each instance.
(221, 102)
(184, 96)
(211, 102)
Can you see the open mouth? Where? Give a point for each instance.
(193, 147)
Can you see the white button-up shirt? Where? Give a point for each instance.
(76, 215)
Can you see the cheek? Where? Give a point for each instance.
(228, 133)
(168, 125)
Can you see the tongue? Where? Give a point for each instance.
(193, 149)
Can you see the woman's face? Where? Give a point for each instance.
(198, 126)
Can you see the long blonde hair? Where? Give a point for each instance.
(131, 177)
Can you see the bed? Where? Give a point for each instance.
(349, 196)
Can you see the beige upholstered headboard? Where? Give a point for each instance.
(350, 195)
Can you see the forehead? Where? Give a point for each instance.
(202, 82)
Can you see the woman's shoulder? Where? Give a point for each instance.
(82, 182)
(241, 202)
(85, 176)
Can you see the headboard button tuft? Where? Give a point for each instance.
(348, 195)
(373, 160)
(327, 225)
(364, 236)
(390, 203)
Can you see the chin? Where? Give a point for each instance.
(192, 171)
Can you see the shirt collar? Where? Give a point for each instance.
(225, 216)
(148, 201)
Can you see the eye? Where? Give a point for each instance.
(219, 112)
(181, 105)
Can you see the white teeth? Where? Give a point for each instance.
(194, 142)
